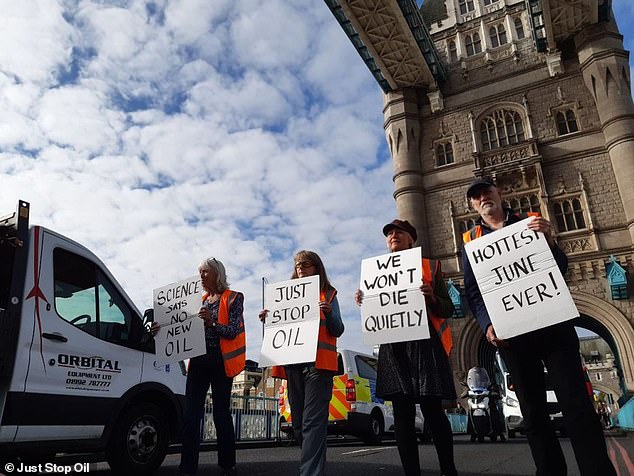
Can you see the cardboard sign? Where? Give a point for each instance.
(182, 332)
(393, 307)
(521, 285)
(291, 328)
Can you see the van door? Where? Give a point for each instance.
(82, 355)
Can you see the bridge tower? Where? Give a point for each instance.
(535, 94)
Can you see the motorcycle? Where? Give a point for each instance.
(482, 403)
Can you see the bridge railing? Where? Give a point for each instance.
(254, 418)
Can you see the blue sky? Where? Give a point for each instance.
(160, 132)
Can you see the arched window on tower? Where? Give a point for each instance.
(473, 44)
(497, 35)
(523, 203)
(519, 28)
(444, 154)
(501, 128)
(569, 215)
(566, 122)
(466, 6)
(453, 52)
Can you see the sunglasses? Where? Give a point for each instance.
(303, 265)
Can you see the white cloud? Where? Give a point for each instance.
(243, 130)
(34, 40)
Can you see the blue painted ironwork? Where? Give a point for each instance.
(456, 299)
(415, 21)
(617, 279)
(363, 51)
(419, 30)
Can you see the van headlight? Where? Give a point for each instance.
(511, 402)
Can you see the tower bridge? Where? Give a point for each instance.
(535, 94)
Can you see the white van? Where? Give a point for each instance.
(77, 366)
(510, 405)
(354, 407)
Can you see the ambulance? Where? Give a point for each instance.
(354, 407)
(78, 371)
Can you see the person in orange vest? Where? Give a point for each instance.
(222, 312)
(309, 384)
(555, 347)
(418, 372)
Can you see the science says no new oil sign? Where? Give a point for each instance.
(182, 332)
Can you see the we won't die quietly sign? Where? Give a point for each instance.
(393, 307)
(519, 279)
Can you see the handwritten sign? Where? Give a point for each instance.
(521, 285)
(182, 332)
(393, 307)
(292, 325)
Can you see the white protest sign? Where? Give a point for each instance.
(393, 307)
(522, 287)
(291, 327)
(182, 332)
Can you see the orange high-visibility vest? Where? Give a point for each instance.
(233, 350)
(476, 231)
(440, 324)
(326, 343)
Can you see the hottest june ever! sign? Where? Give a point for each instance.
(182, 332)
(393, 308)
(291, 327)
(522, 287)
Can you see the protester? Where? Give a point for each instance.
(418, 372)
(222, 312)
(556, 347)
(309, 384)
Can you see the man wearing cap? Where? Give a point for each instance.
(418, 372)
(556, 347)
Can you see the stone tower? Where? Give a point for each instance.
(534, 94)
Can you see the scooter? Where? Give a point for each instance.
(484, 416)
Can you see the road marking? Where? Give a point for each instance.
(365, 450)
(624, 454)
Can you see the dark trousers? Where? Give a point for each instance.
(405, 433)
(204, 371)
(309, 393)
(558, 348)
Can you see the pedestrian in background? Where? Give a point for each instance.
(309, 384)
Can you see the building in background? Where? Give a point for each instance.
(535, 94)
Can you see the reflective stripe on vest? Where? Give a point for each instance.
(233, 350)
(326, 358)
(440, 324)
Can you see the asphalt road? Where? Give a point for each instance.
(352, 458)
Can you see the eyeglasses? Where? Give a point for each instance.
(303, 265)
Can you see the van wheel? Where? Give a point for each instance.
(139, 441)
(374, 433)
(511, 433)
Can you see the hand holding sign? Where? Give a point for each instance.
(182, 333)
(291, 322)
(392, 305)
(521, 285)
